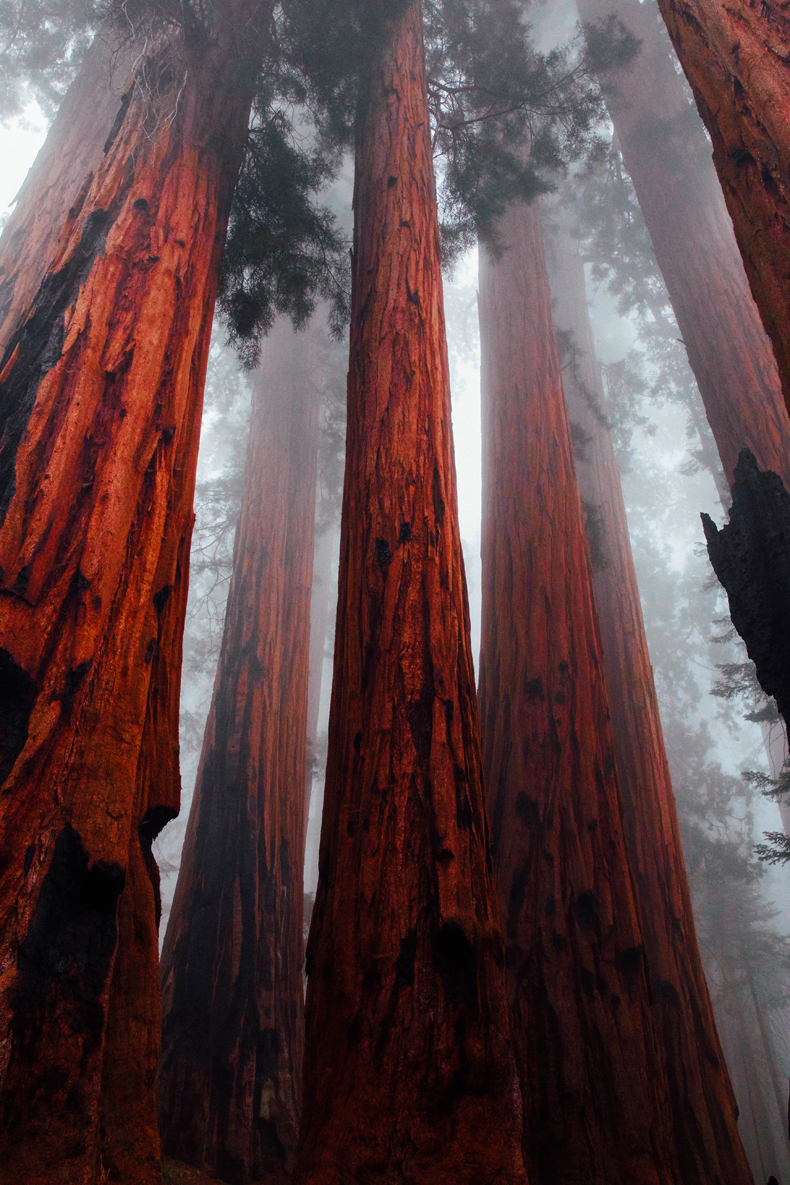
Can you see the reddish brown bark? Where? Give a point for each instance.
(667, 155)
(101, 401)
(229, 1087)
(72, 152)
(735, 57)
(704, 1112)
(594, 1105)
(408, 1071)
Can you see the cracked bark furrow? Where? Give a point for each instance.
(704, 1112)
(230, 1080)
(595, 1107)
(408, 1070)
(100, 401)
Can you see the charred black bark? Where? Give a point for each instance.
(64, 964)
(751, 557)
(37, 346)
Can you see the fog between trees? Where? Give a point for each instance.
(670, 473)
(709, 742)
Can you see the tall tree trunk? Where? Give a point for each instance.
(408, 1071)
(704, 1112)
(100, 401)
(667, 155)
(594, 1105)
(735, 57)
(68, 160)
(229, 1087)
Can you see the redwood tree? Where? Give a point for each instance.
(229, 1085)
(100, 399)
(667, 155)
(704, 1112)
(735, 57)
(71, 154)
(408, 1071)
(594, 1093)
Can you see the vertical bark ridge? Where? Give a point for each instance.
(594, 1099)
(100, 397)
(704, 1111)
(232, 961)
(667, 155)
(408, 1072)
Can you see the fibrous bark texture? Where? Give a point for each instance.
(751, 557)
(735, 55)
(229, 1085)
(68, 160)
(594, 1105)
(667, 155)
(408, 1071)
(100, 400)
(704, 1112)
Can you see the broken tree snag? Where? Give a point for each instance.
(704, 1112)
(56, 186)
(735, 58)
(408, 1070)
(668, 158)
(233, 1036)
(100, 400)
(751, 557)
(594, 1098)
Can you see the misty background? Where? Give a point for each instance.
(703, 680)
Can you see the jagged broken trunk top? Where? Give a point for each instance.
(100, 401)
(408, 1071)
(751, 557)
